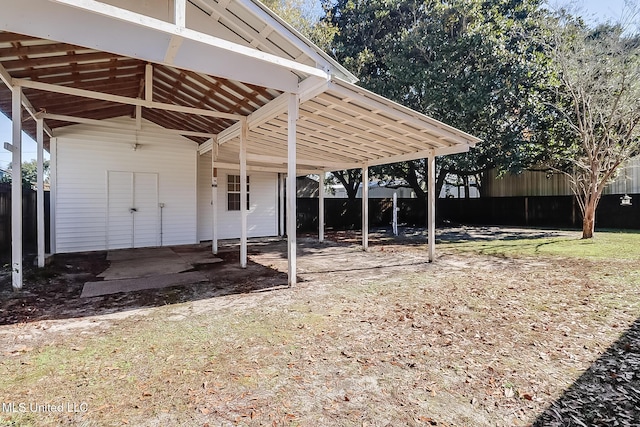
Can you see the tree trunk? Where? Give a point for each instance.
(589, 220)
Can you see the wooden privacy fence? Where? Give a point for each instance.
(29, 221)
(536, 211)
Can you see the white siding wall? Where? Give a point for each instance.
(83, 156)
(262, 219)
(205, 208)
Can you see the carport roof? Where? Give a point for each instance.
(82, 61)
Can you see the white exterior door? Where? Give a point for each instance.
(132, 217)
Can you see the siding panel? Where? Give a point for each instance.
(86, 154)
(262, 219)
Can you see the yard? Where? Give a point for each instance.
(507, 328)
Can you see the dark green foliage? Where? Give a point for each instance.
(477, 65)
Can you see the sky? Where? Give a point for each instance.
(592, 10)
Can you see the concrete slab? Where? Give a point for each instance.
(107, 287)
(130, 264)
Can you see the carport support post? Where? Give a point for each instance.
(214, 199)
(365, 208)
(40, 189)
(281, 183)
(431, 205)
(16, 188)
(321, 206)
(291, 186)
(243, 193)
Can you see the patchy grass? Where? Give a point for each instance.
(604, 245)
(474, 339)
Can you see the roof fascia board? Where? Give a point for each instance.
(401, 158)
(297, 38)
(454, 149)
(100, 26)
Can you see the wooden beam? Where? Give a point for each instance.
(307, 89)
(9, 82)
(148, 82)
(122, 99)
(401, 158)
(303, 162)
(6, 77)
(16, 188)
(454, 149)
(180, 13)
(107, 124)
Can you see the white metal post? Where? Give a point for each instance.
(40, 190)
(16, 188)
(431, 205)
(291, 187)
(365, 208)
(395, 214)
(281, 182)
(243, 193)
(321, 206)
(180, 13)
(214, 200)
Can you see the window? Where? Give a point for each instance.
(233, 192)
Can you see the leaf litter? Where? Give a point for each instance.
(367, 338)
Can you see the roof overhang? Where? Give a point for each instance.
(95, 61)
(107, 28)
(340, 126)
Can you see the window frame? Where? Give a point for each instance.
(233, 193)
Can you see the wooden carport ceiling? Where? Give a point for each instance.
(45, 61)
(343, 127)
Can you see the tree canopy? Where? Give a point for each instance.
(476, 65)
(29, 173)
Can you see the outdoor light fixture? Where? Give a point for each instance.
(626, 199)
(135, 146)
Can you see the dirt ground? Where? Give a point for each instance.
(371, 338)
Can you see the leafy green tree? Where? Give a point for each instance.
(599, 96)
(29, 173)
(474, 64)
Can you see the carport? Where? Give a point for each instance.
(227, 74)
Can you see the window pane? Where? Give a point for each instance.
(234, 201)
